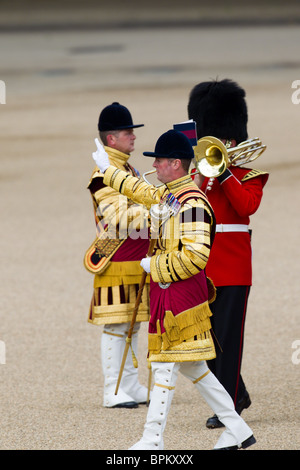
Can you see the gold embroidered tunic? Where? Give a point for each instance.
(179, 326)
(116, 287)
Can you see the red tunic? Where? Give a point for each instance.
(233, 202)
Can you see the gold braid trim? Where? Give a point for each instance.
(159, 273)
(112, 334)
(164, 386)
(201, 377)
(253, 174)
(200, 348)
(115, 334)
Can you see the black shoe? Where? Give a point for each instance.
(246, 443)
(214, 422)
(243, 403)
(126, 404)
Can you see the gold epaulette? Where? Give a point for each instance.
(253, 174)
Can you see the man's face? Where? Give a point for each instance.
(124, 141)
(164, 170)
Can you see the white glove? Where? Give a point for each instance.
(101, 157)
(145, 263)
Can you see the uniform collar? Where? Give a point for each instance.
(180, 183)
(117, 158)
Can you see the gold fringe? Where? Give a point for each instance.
(179, 328)
(122, 272)
(185, 334)
(193, 315)
(185, 325)
(118, 312)
(171, 327)
(154, 343)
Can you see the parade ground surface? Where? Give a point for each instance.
(59, 68)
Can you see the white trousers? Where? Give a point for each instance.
(165, 376)
(113, 342)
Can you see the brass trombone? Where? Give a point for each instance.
(212, 157)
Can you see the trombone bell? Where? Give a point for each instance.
(211, 157)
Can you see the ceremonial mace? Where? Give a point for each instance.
(159, 213)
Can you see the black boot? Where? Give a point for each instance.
(243, 403)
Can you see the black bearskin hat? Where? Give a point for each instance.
(219, 109)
